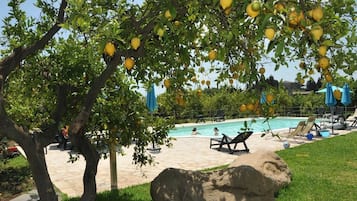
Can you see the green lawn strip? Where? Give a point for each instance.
(324, 170)
(15, 177)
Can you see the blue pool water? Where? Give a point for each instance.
(231, 128)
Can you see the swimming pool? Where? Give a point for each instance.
(231, 127)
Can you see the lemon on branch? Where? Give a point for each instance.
(322, 50)
(225, 4)
(317, 13)
(135, 43)
(212, 55)
(262, 70)
(129, 63)
(167, 83)
(109, 49)
(316, 32)
(324, 62)
(269, 33)
(168, 15)
(252, 13)
(337, 94)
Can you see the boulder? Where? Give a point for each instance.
(256, 180)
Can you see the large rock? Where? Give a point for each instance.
(258, 179)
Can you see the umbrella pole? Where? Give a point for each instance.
(332, 121)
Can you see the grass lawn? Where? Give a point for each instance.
(15, 177)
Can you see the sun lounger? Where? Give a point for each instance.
(298, 129)
(225, 140)
(353, 119)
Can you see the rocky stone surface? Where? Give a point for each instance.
(251, 177)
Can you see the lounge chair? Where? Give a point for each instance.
(310, 125)
(225, 140)
(353, 119)
(298, 129)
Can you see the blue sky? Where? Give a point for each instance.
(284, 73)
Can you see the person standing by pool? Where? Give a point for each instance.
(216, 131)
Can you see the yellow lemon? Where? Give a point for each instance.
(177, 23)
(168, 15)
(160, 32)
(109, 49)
(302, 65)
(250, 106)
(262, 70)
(279, 7)
(129, 63)
(311, 71)
(322, 50)
(317, 32)
(167, 83)
(227, 10)
(317, 13)
(212, 55)
(324, 62)
(208, 82)
(337, 94)
(243, 108)
(251, 12)
(135, 43)
(328, 78)
(225, 3)
(294, 18)
(231, 81)
(269, 98)
(203, 82)
(269, 33)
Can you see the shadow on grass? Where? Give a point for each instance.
(118, 195)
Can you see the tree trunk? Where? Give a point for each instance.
(113, 166)
(90, 154)
(36, 158)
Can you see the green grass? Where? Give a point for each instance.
(325, 170)
(15, 177)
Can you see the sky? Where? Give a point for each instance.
(284, 73)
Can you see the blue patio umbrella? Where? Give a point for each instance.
(330, 101)
(329, 98)
(263, 98)
(151, 99)
(346, 96)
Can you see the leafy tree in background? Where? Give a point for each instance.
(176, 39)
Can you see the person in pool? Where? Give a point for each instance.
(194, 131)
(216, 131)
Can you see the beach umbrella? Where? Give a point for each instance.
(152, 106)
(346, 96)
(330, 101)
(263, 98)
(151, 99)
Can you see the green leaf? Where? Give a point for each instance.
(279, 48)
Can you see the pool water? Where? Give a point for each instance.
(231, 128)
